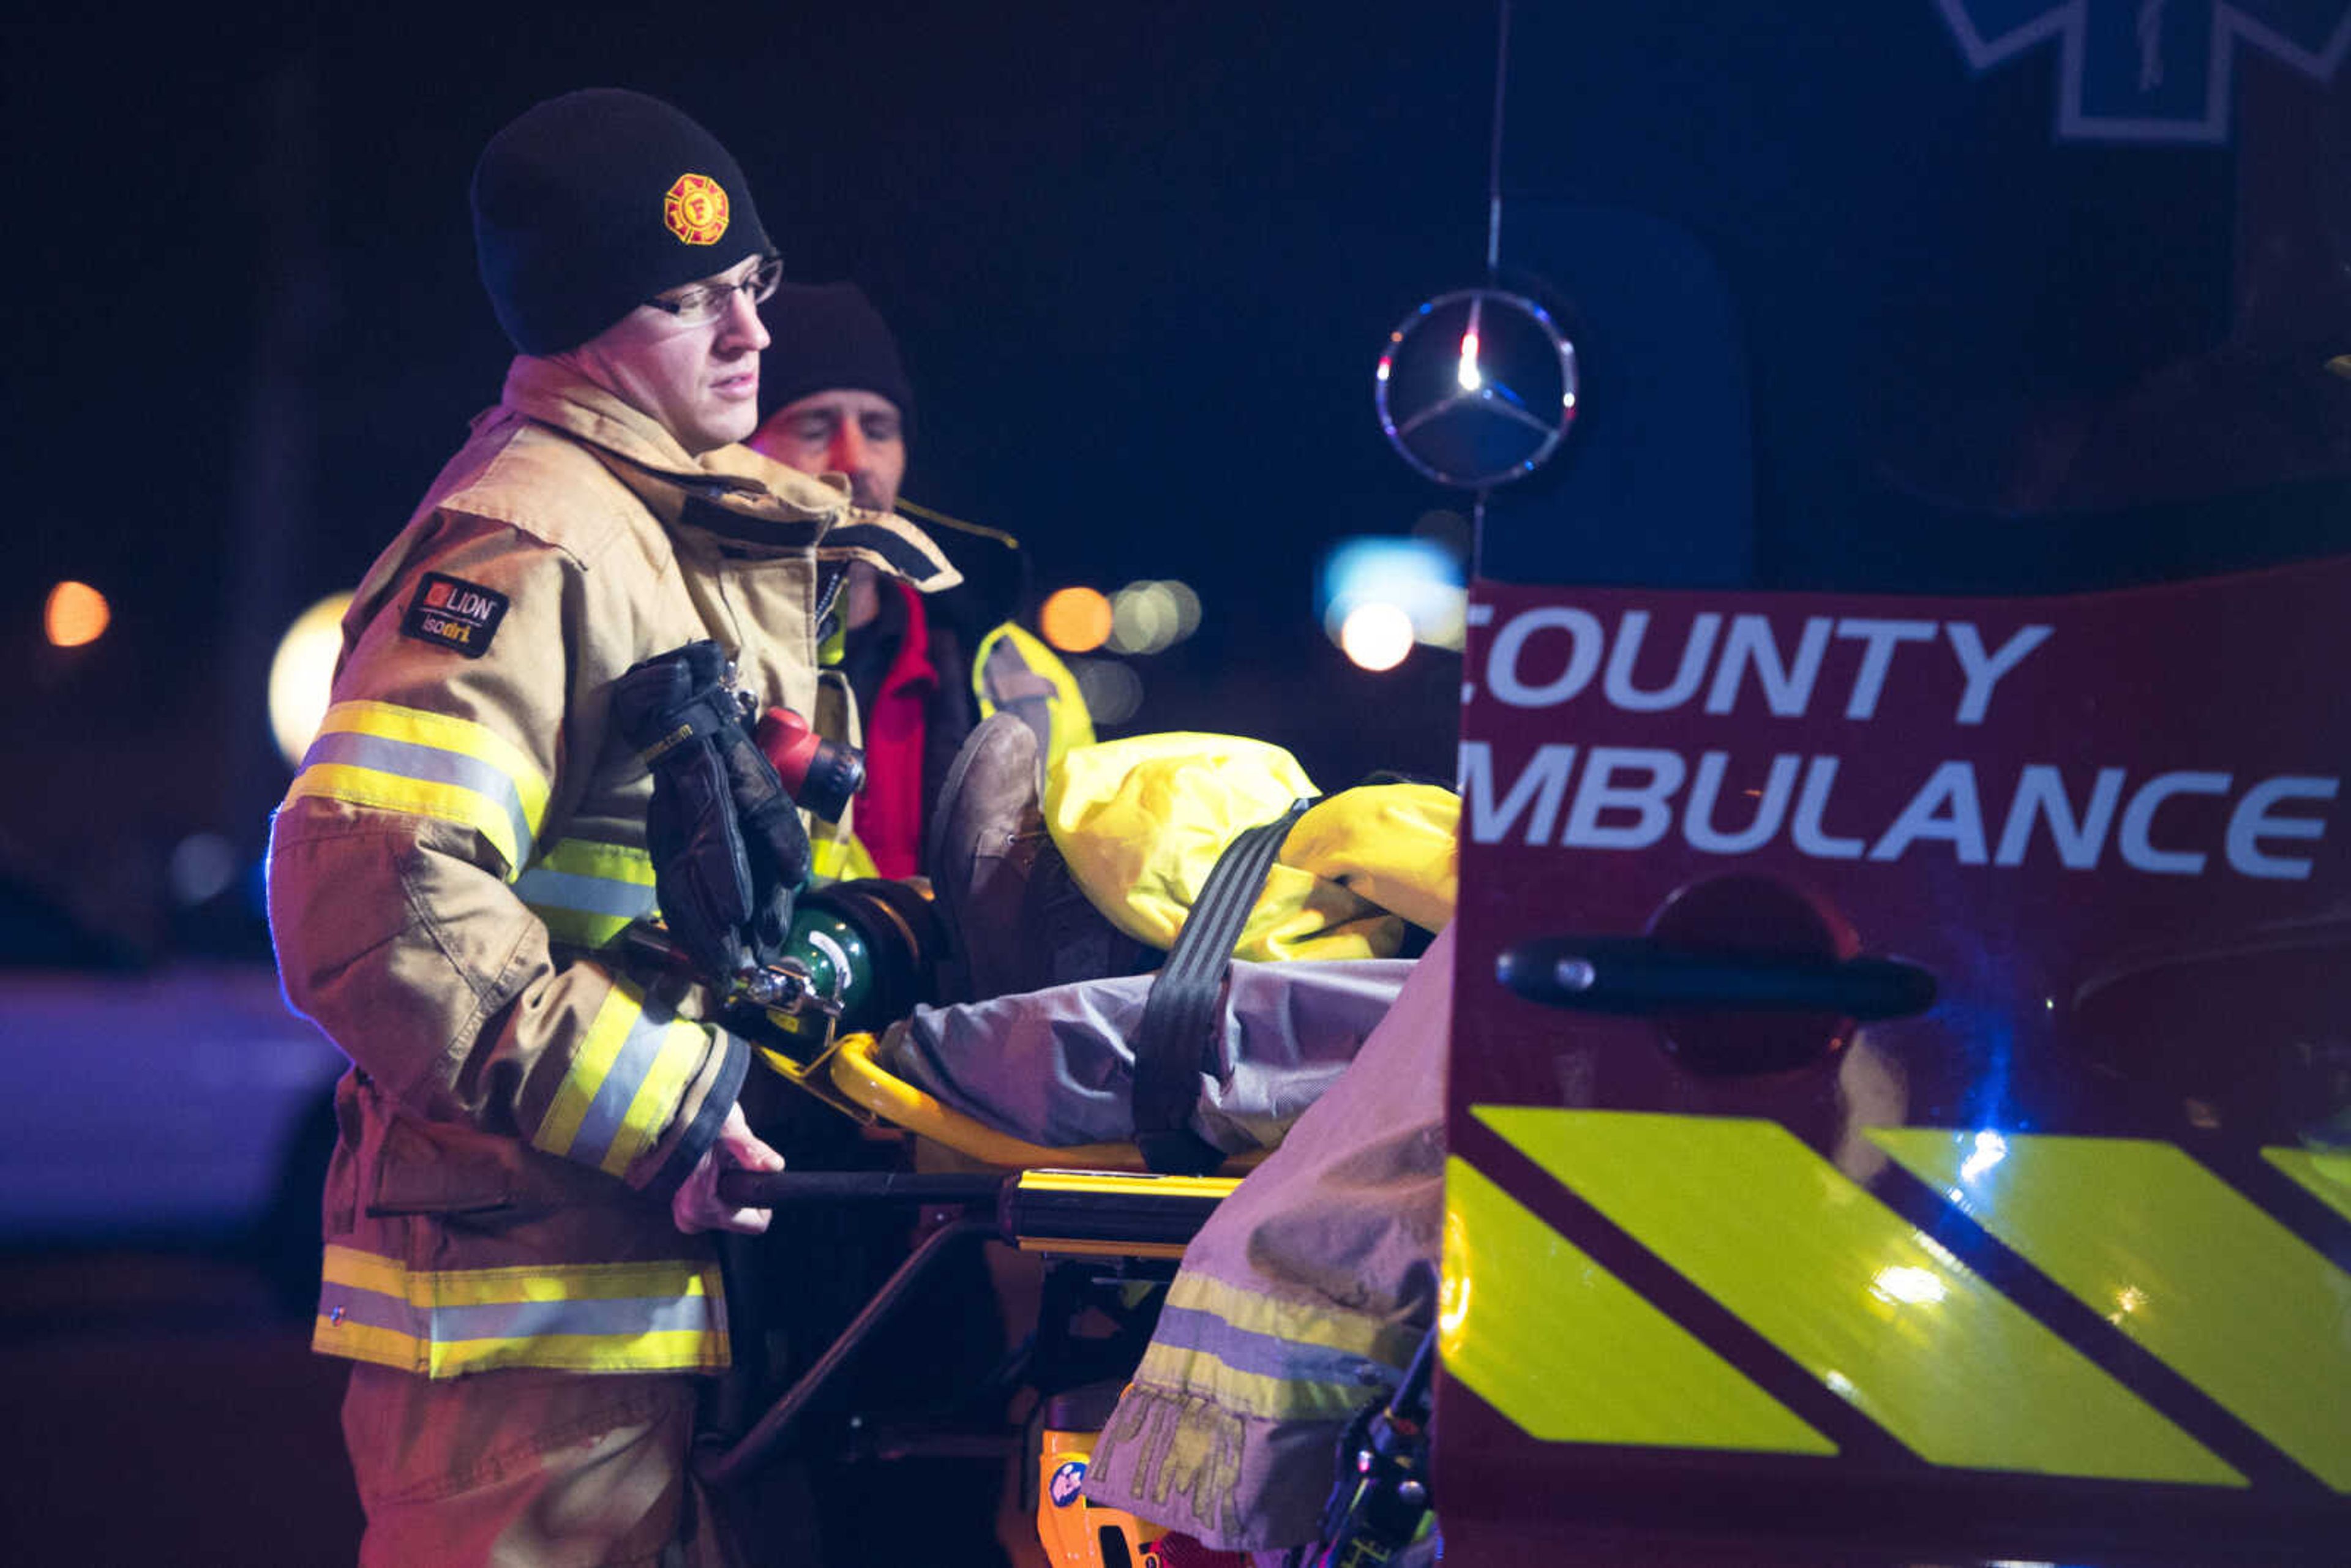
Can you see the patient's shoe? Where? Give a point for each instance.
(984, 830)
(1016, 921)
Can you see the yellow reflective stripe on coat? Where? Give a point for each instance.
(587, 893)
(2209, 1283)
(1571, 1353)
(667, 1316)
(1271, 1359)
(1846, 1287)
(428, 765)
(624, 1084)
(835, 856)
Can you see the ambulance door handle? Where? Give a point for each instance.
(1640, 977)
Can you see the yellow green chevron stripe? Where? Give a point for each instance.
(2202, 1277)
(1571, 1353)
(2327, 1177)
(1849, 1290)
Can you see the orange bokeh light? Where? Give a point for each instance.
(1075, 619)
(76, 613)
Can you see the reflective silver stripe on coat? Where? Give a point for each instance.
(407, 759)
(617, 1318)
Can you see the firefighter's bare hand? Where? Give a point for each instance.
(697, 1206)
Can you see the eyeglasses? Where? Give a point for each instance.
(698, 304)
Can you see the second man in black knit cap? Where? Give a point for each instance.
(925, 668)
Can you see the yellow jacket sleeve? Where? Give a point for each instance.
(1140, 821)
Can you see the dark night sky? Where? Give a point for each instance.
(1143, 259)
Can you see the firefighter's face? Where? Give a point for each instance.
(842, 430)
(701, 379)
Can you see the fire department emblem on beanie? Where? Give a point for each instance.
(695, 209)
(589, 205)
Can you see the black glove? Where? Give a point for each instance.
(728, 847)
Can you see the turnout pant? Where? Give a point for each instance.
(524, 1469)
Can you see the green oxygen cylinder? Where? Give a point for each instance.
(870, 948)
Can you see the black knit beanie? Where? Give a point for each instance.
(590, 204)
(828, 335)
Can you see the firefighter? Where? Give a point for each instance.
(923, 669)
(516, 1263)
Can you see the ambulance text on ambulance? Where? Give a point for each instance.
(1606, 797)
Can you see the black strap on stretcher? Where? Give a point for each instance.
(1183, 1014)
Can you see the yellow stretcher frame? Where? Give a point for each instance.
(1072, 1201)
(874, 1089)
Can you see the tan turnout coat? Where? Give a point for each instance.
(464, 839)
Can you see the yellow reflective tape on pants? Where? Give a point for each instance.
(2177, 1259)
(2327, 1177)
(1572, 1354)
(1847, 1289)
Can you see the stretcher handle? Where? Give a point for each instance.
(778, 1189)
(1639, 977)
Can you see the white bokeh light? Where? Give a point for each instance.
(1111, 687)
(300, 672)
(1377, 636)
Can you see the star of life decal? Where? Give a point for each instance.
(2150, 70)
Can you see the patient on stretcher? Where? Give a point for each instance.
(1056, 1067)
(1306, 1295)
